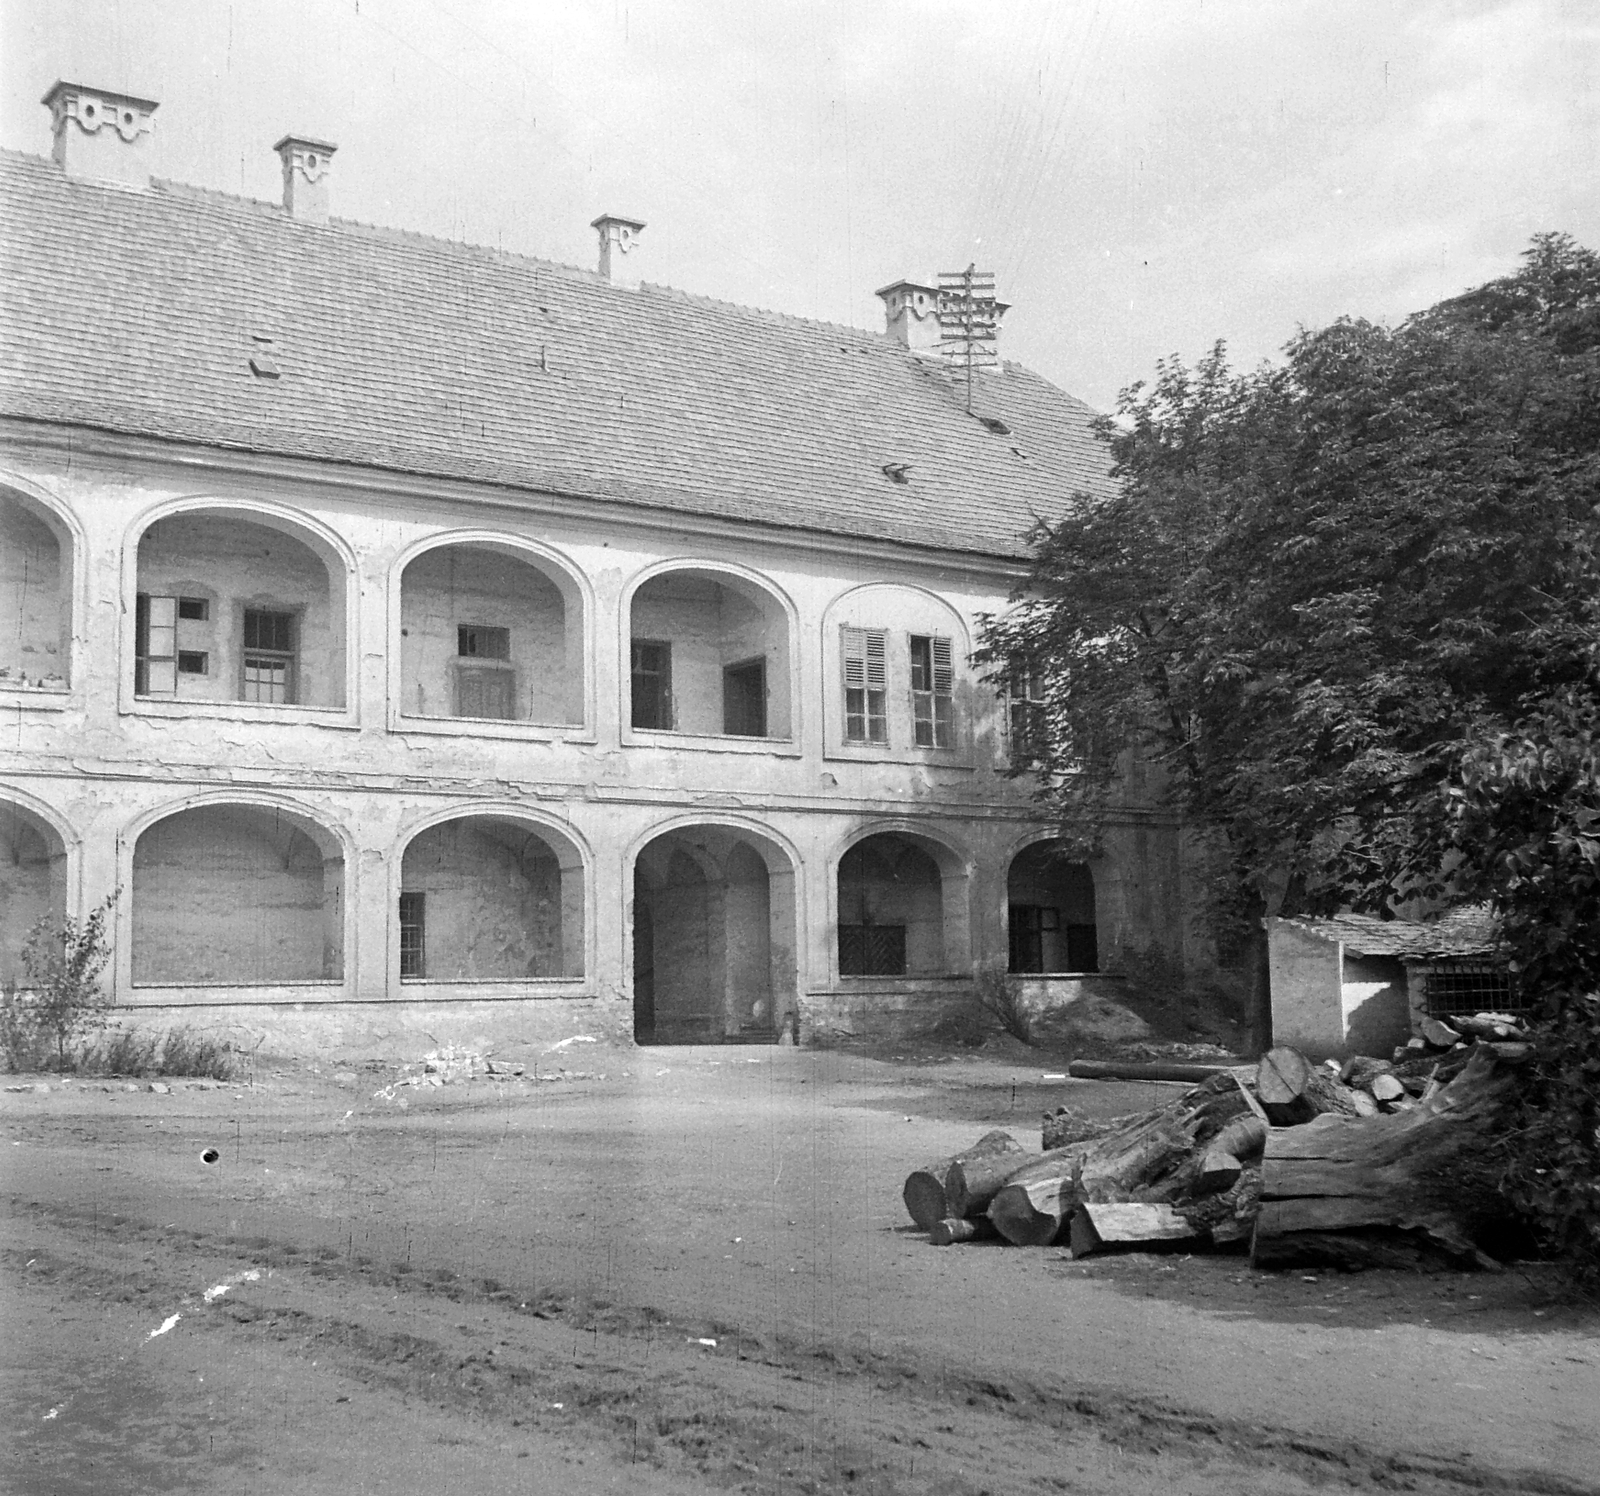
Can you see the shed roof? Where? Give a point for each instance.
(140, 312)
(1470, 930)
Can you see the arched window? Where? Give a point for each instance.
(1051, 913)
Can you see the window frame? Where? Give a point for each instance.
(661, 690)
(414, 902)
(932, 671)
(864, 676)
(269, 656)
(754, 665)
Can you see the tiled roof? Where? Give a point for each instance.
(1468, 931)
(136, 311)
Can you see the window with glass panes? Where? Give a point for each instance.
(932, 691)
(864, 653)
(269, 657)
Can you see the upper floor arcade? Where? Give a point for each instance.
(346, 616)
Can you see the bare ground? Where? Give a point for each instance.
(695, 1273)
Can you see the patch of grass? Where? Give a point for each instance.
(179, 1052)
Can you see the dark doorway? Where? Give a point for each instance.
(891, 909)
(1052, 913)
(744, 699)
(652, 685)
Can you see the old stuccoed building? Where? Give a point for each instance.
(425, 638)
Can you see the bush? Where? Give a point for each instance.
(61, 1002)
(998, 996)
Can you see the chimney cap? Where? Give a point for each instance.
(325, 146)
(110, 96)
(609, 218)
(906, 285)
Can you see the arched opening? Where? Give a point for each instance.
(486, 633)
(713, 938)
(33, 883)
(36, 581)
(236, 608)
(490, 898)
(1051, 915)
(891, 909)
(709, 655)
(237, 895)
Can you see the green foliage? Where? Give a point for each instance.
(1320, 581)
(181, 1051)
(1524, 823)
(61, 1001)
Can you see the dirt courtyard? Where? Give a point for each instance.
(689, 1269)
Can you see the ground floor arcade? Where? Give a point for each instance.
(685, 927)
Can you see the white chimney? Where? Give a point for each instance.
(619, 238)
(911, 314)
(101, 135)
(306, 164)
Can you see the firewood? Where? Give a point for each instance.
(1439, 1035)
(1219, 1170)
(924, 1188)
(1129, 1070)
(1358, 1071)
(1244, 1137)
(1155, 1152)
(1281, 1080)
(1487, 1026)
(1366, 1103)
(973, 1180)
(1324, 1094)
(951, 1230)
(1097, 1226)
(1428, 1170)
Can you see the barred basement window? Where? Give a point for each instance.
(1465, 987)
(413, 930)
(932, 685)
(864, 653)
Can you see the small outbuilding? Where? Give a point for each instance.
(1354, 984)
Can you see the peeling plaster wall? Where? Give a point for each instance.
(494, 903)
(104, 762)
(35, 600)
(472, 584)
(710, 627)
(235, 565)
(32, 884)
(233, 894)
(886, 880)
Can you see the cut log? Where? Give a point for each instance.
(1429, 1170)
(1281, 1080)
(1119, 1070)
(1244, 1137)
(1366, 1103)
(1219, 1171)
(1439, 1035)
(1487, 1025)
(949, 1232)
(1153, 1156)
(1098, 1226)
(924, 1188)
(974, 1179)
(1324, 1093)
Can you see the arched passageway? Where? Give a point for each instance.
(236, 607)
(237, 895)
(36, 582)
(487, 633)
(713, 938)
(490, 898)
(1051, 914)
(33, 883)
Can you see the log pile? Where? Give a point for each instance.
(1369, 1162)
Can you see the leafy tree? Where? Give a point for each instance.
(64, 961)
(1320, 582)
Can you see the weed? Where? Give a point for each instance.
(1001, 1000)
(61, 1001)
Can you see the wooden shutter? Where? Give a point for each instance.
(158, 645)
(944, 675)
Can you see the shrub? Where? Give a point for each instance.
(61, 1002)
(999, 998)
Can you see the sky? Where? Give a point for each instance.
(1144, 177)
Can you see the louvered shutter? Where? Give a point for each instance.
(944, 675)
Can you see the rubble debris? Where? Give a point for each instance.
(1369, 1162)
